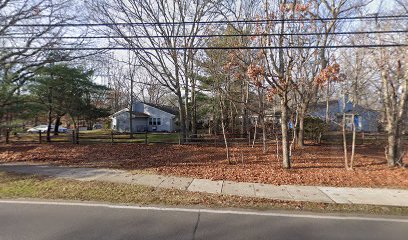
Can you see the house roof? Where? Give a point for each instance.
(140, 114)
(135, 114)
(356, 109)
(164, 108)
(119, 112)
(168, 109)
(323, 104)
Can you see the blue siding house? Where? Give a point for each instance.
(366, 120)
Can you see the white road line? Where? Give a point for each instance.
(192, 210)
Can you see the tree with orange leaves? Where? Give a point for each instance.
(276, 65)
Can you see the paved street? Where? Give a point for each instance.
(59, 220)
(343, 195)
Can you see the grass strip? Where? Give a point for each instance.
(14, 186)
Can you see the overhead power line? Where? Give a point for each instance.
(257, 21)
(201, 48)
(11, 36)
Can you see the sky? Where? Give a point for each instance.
(377, 6)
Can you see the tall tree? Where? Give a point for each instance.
(29, 30)
(66, 90)
(276, 66)
(394, 79)
(391, 67)
(332, 10)
(171, 67)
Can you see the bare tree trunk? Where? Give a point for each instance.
(49, 114)
(131, 109)
(232, 118)
(182, 117)
(244, 110)
(194, 108)
(243, 129)
(277, 147)
(353, 144)
(264, 147)
(262, 118)
(286, 163)
(301, 135)
(327, 118)
(395, 115)
(225, 141)
(187, 109)
(224, 132)
(255, 132)
(345, 140)
(393, 151)
(57, 124)
(276, 137)
(295, 122)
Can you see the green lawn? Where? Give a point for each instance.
(34, 138)
(99, 136)
(106, 136)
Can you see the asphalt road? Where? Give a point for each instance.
(53, 221)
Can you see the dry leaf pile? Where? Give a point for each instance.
(314, 165)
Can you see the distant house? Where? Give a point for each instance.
(270, 117)
(366, 119)
(145, 117)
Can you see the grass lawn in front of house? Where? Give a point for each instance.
(98, 136)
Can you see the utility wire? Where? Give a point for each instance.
(10, 36)
(201, 48)
(258, 21)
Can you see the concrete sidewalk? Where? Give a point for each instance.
(372, 196)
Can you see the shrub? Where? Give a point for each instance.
(315, 128)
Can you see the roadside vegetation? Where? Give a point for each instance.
(17, 186)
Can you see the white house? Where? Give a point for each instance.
(145, 117)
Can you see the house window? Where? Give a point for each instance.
(154, 121)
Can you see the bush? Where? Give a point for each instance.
(315, 128)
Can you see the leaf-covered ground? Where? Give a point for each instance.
(314, 165)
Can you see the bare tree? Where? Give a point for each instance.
(392, 68)
(332, 10)
(277, 66)
(17, 64)
(117, 81)
(150, 90)
(171, 67)
(394, 78)
(29, 31)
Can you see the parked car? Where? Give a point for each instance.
(97, 126)
(43, 129)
